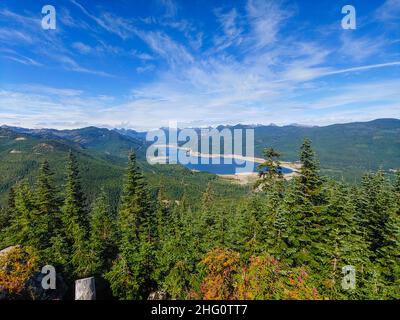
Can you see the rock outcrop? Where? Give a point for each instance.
(85, 289)
(158, 295)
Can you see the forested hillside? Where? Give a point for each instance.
(344, 150)
(103, 156)
(284, 240)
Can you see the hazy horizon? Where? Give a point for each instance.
(3, 125)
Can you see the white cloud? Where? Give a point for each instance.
(81, 47)
(170, 6)
(389, 11)
(110, 22)
(23, 60)
(266, 18)
(163, 45)
(70, 64)
(9, 35)
(144, 69)
(361, 48)
(231, 30)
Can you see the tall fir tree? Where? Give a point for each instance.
(47, 204)
(376, 201)
(376, 207)
(6, 218)
(27, 227)
(132, 275)
(296, 209)
(339, 244)
(304, 201)
(309, 172)
(270, 170)
(75, 221)
(163, 216)
(102, 235)
(209, 217)
(389, 258)
(75, 206)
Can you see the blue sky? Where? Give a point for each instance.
(139, 64)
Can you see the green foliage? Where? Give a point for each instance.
(132, 275)
(75, 220)
(344, 150)
(270, 170)
(74, 209)
(102, 235)
(205, 239)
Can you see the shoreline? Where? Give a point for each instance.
(243, 177)
(251, 177)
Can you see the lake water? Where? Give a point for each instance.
(226, 165)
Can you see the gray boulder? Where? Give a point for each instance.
(158, 295)
(85, 289)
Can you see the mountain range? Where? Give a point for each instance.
(345, 151)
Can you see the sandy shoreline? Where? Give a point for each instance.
(251, 177)
(243, 177)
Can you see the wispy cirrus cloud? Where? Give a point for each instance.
(23, 60)
(8, 34)
(70, 64)
(232, 31)
(266, 19)
(26, 29)
(110, 22)
(81, 47)
(170, 6)
(389, 11)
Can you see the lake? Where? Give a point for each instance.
(226, 165)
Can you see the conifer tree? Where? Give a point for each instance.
(35, 213)
(207, 197)
(209, 218)
(132, 275)
(26, 229)
(397, 182)
(162, 215)
(257, 223)
(102, 235)
(389, 257)
(180, 252)
(11, 199)
(3, 225)
(296, 209)
(339, 244)
(47, 205)
(304, 201)
(376, 203)
(270, 170)
(310, 179)
(6, 218)
(242, 230)
(74, 208)
(271, 218)
(75, 221)
(277, 242)
(376, 215)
